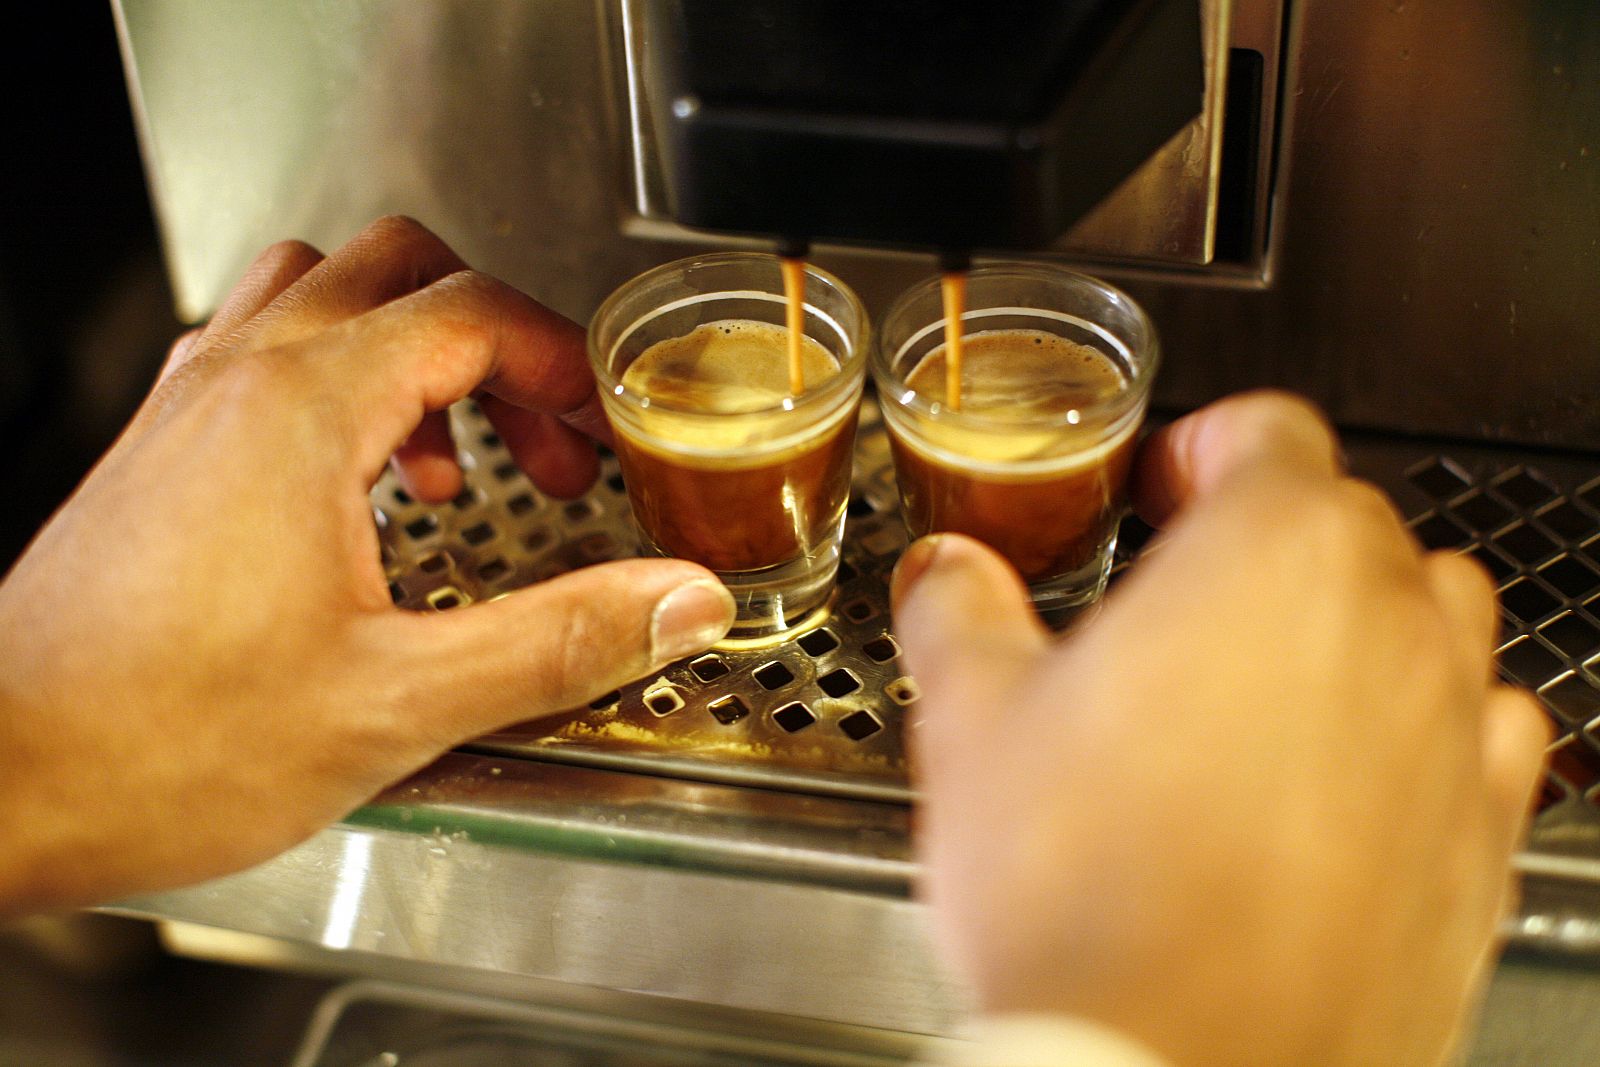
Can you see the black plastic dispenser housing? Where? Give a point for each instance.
(987, 124)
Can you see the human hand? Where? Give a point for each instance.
(1261, 809)
(199, 661)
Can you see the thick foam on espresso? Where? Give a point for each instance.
(726, 367)
(1020, 376)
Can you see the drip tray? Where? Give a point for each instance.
(821, 713)
(824, 713)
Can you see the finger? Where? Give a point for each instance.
(1191, 456)
(965, 622)
(424, 352)
(1516, 733)
(426, 461)
(1463, 589)
(557, 458)
(391, 258)
(557, 644)
(273, 272)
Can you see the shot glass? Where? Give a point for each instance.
(1055, 383)
(738, 475)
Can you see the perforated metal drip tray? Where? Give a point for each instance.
(823, 713)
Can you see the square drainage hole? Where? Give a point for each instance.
(709, 668)
(477, 534)
(728, 710)
(1574, 698)
(1530, 663)
(881, 649)
(1482, 512)
(521, 504)
(494, 570)
(859, 725)
(437, 563)
(1528, 600)
(1526, 489)
(1573, 635)
(859, 610)
(1576, 763)
(663, 700)
(1439, 478)
(425, 526)
(1571, 577)
(839, 682)
(1525, 544)
(774, 675)
(447, 598)
(818, 643)
(1436, 531)
(793, 717)
(1569, 521)
(600, 703)
(580, 510)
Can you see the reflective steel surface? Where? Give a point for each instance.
(713, 894)
(1435, 208)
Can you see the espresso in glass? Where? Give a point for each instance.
(1055, 380)
(723, 464)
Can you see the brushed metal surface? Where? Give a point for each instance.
(1167, 209)
(1436, 230)
(360, 1022)
(449, 888)
(1435, 223)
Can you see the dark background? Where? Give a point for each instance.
(85, 311)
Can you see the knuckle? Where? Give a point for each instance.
(282, 253)
(184, 343)
(472, 287)
(405, 237)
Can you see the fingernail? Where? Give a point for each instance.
(690, 618)
(914, 563)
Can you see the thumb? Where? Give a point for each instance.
(558, 644)
(967, 628)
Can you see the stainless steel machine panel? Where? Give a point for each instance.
(1434, 213)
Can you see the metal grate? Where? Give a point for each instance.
(1538, 533)
(823, 712)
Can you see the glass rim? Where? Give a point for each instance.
(610, 385)
(894, 391)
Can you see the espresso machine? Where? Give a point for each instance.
(1391, 208)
